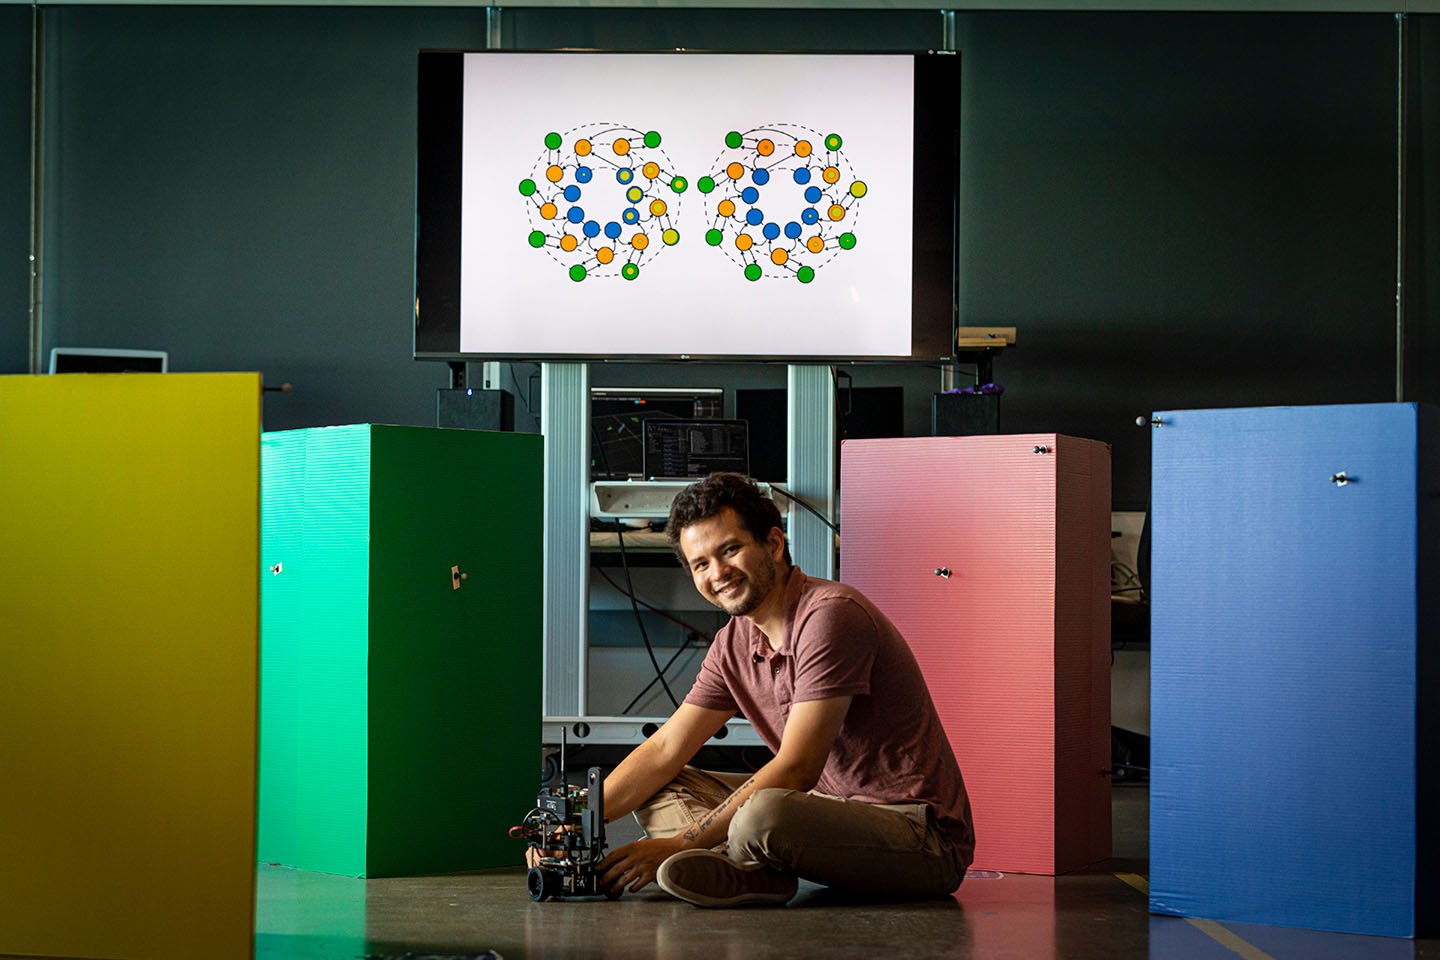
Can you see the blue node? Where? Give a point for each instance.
(624, 175)
(802, 175)
(792, 230)
(754, 217)
(771, 231)
(749, 194)
(809, 215)
(575, 215)
(612, 230)
(583, 174)
(812, 194)
(630, 215)
(760, 176)
(572, 193)
(592, 229)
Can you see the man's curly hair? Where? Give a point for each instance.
(706, 498)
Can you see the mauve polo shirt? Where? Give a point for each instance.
(891, 747)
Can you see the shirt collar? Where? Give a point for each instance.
(759, 644)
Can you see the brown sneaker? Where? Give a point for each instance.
(709, 879)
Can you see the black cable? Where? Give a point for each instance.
(684, 645)
(639, 620)
(703, 634)
(630, 583)
(807, 506)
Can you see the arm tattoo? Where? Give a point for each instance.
(694, 832)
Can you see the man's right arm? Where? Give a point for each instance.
(656, 761)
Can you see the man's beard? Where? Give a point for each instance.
(755, 589)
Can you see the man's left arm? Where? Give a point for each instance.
(805, 746)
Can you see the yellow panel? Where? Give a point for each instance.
(129, 559)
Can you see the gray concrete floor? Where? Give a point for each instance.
(1096, 913)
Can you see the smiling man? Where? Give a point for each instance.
(863, 793)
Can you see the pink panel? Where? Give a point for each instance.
(985, 509)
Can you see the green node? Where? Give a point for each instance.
(706, 184)
(679, 184)
(553, 141)
(652, 139)
(577, 273)
(537, 239)
(630, 271)
(714, 237)
(527, 188)
(805, 274)
(733, 139)
(671, 237)
(752, 271)
(847, 241)
(833, 142)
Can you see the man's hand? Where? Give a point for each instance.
(533, 854)
(633, 866)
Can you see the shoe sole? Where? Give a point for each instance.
(784, 886)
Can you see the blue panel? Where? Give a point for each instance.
(1283, 667)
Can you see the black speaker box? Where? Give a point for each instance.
(964, 414)
(471, 409)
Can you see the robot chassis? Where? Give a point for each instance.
(566, 831)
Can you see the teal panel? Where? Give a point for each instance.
(282, 502)
(455, 676)
(315, 648)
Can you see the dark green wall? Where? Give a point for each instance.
(1176, 210)
(14, 189)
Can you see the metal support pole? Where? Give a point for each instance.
(948, 374)
(565, 422)
(37, 186)
(810, 465)
(1401, 108)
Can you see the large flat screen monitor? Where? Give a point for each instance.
(721, 206)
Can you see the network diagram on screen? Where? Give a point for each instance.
(605, 201)
(716, 205)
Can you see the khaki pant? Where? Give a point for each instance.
(892, 850)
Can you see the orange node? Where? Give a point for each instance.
(778, 257)
(582, 148)
(743, 242)
(604, 254)
(766, 147)
(639, 241)
(568, 243)
(657, 207)
(554, 173)
(837, 212)
(803, 148)
(831, 174)
(815, 244)
(622, 146)
(735, 171)
(651, 170)
(547, 210)
(726, 208)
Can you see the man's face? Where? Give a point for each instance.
(730, 568)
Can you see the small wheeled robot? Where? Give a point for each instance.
(567, 832)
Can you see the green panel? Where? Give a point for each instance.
(315, 650)
(455, 674)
